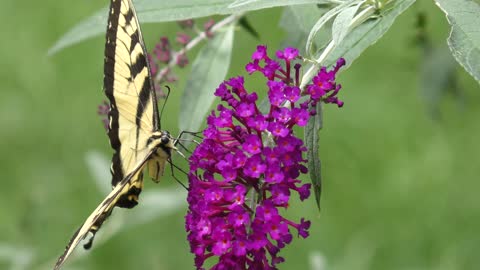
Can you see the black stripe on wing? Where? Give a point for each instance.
(148, 88)
(138, 65)
(108, 83)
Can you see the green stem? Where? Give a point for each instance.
(356, 21)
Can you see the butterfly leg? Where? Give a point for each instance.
(177, 141)
(194, 134)
(172, 166)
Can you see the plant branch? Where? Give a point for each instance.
(194, 42)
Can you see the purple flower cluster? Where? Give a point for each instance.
(248, 165)
(103, 110)
(163, 53)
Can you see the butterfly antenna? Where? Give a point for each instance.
(163, 106)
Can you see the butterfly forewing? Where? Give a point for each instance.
(128, 85)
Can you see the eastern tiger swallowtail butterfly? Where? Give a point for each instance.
(134, 122)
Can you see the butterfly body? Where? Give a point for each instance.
(163, 143)
(159, 146)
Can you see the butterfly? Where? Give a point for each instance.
(134, 121)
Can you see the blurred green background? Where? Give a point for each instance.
(400, 184)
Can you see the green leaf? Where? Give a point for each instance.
(297, 22)
(17, 257)
(208, 71)
(149, 11)
(260, 4)
(366, 34)
(341, 24)
(312, 131)
(464, 39)
(93, 26)
(239, 3)
(247, 26)
(264, 106)
(99, 167)
(322, 22)
(437, 77)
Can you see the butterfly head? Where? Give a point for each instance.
(162, 140)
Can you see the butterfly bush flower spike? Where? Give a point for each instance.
(247, 167)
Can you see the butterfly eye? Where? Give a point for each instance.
(165, 139)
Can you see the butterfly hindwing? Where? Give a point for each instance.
(101, 213)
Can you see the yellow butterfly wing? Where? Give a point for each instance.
(128, 85)
(134, 122)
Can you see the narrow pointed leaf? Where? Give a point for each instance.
(297, 22)
(163, 11)
(321, 23)
(242, 2)
(156, 204)
(464, 39)
(312, 131)
(99, 167)
(341, 24)
(366, 34)
(437, 78)
(208, 71)
(259, 4)
(18, 258)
